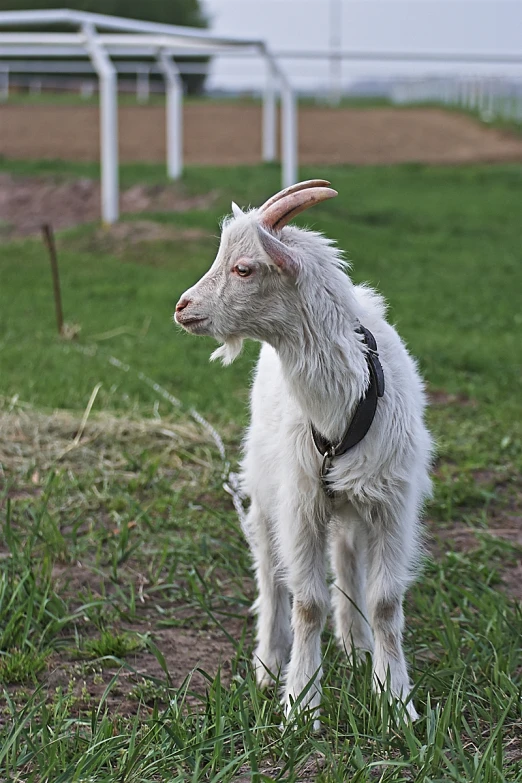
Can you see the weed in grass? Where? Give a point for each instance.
(22, 666)
(110, 644)
(31, 612)
(149, 692)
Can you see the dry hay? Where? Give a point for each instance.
(32, 440)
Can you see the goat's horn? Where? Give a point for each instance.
(281, 212)
(309, 183)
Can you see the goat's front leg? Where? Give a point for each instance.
(272, 607)
(303, 545)
(392, 545)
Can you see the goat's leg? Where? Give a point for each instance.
(392, 542)
(305, 550)
(274, 634)
(348, 559)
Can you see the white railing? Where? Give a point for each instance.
(492, 97)
(136, 39)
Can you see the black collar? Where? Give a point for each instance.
(365, 411)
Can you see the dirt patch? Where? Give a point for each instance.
(190, 649)
(147, 231)
(188, 654)
(28, 202)
(305, 773)
(126, 239)
(441, 399)
(461, 537)
(224, 134)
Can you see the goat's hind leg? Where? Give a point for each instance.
(392, 550)
(274, 634)
(348, 558)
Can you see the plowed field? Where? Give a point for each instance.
(231, 133)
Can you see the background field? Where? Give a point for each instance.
(221, 133)
(125, 583)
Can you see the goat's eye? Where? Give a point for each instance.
(242, 270)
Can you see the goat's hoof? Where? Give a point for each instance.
(411, 712)
(293, 711)
(405, 711)
(264, 680)
(291, 724)
(267, 676)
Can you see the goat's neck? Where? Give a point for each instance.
(324, 362)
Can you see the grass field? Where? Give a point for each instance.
(122, 566)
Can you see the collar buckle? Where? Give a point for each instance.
(363, 416)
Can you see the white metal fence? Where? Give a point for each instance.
(113, 47)
(103, 39)
(491, 97)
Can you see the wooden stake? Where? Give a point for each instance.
(48, 237)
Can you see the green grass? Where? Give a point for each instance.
(443, 244)
(122, 555)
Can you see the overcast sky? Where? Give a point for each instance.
(464, 26)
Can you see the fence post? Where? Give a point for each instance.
(173, 113)
(269, 114)
(108, 125)
(142, 85)
(289, 135)
(4, 83)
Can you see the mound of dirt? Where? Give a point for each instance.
(28, 202)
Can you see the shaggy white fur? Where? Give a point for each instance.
(290, 290)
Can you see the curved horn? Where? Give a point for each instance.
(282, 211)
(309, 183)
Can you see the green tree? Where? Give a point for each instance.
(182, 12)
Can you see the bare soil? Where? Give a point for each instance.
(28, 202)
(223, 134)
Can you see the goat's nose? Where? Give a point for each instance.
(183, 302)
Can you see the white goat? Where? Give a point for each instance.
(287, 287)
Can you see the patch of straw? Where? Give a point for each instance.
(32, 439)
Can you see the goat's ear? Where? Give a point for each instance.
(236, 211)
(278, 252)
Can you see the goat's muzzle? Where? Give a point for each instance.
(186, 318)
(183, 302)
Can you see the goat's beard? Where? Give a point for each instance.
(229, 351)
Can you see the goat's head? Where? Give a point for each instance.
(246, 291)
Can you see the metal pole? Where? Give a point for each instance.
(35, 86)
(289, 132)
(289, 135)
(109, 147)
(4, 83)
(108, 126)
(518, 115)
(269, 114)
(174, 114)
(336, 19)
(142, 85)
